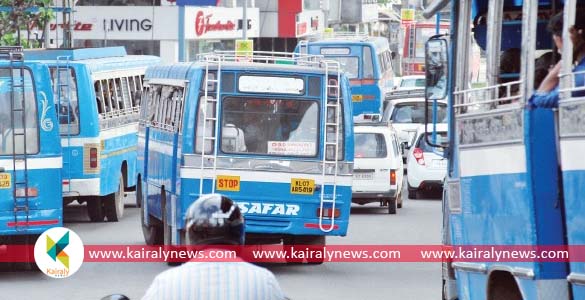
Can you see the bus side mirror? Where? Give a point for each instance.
(436, 68)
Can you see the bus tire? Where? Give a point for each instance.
(412, 193)
(153, 234)
(392, 206)
(95, 209)
(114, 203)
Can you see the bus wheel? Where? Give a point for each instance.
(153, 234)
(392, 206)
(95, 209)
(114, 203)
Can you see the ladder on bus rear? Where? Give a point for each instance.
(209, 161)
(330, 165)
(61, 87)
(303, 44)
(63, 66)
(20, 187)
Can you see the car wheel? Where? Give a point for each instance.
(392, 206)
(114, 203)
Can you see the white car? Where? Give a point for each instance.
(412, 82)
(407, 114)
(378, 167)
(427, 167)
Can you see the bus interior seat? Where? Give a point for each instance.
(232, 139)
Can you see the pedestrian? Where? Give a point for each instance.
(215, 220)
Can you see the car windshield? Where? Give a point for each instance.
(370, 145)
(414, 112)
(425, 147)
(412, 82)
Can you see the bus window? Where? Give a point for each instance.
(125, 92)
(7, 140)
(273, 126)
(209, 128)
(99, 96)
(368, 68)
(118, 94)
(69, 114)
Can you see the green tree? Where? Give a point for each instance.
(16, 25)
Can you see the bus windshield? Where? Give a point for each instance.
(270, 126)
(414, 112)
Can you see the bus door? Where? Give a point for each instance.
(65, 92)
(30, 151)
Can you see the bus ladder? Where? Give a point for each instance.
(210, 61)
(303, 44)
(63, 66)
(331, 135)
(20, 188)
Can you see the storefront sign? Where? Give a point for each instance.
(407, 15)
(309, 22)
(122, 23)
(219, 22)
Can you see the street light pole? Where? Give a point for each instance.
(245, 20)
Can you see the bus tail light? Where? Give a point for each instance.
(392, 177)
(328, 212)
(29, 192)
(93, 159)
(419, 156)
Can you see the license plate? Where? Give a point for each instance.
(363, 176)
(5, 181)
(302, 186)
(439, 163)
(228, 183)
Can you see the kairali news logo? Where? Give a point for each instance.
(59, 252)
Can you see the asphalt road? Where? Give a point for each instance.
(418, 222)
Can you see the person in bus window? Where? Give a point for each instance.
(509, 65)
(547, 95)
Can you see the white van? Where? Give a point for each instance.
(378, 166)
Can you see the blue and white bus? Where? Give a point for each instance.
(504, 185)
(97, 92)
(366, 61)
(274, 133)
(30, 151)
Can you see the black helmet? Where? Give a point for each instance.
(214, 219)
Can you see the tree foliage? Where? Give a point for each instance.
(16, 25)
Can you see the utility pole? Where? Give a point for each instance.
(245, 20)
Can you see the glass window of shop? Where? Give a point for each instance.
(132, 47)
(311, 5)
(118, 2)
(195, 47)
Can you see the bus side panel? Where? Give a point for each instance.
(118, 150)
(159, 169)
(574, 189)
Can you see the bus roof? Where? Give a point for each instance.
(95, 61)
(75, 54)
(379, 43)
(181, 70)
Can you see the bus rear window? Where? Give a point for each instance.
(270, 126)
(68, 103)
(370, 145)
(349, 64)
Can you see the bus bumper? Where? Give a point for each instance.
(38, 222)
(81, 187)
